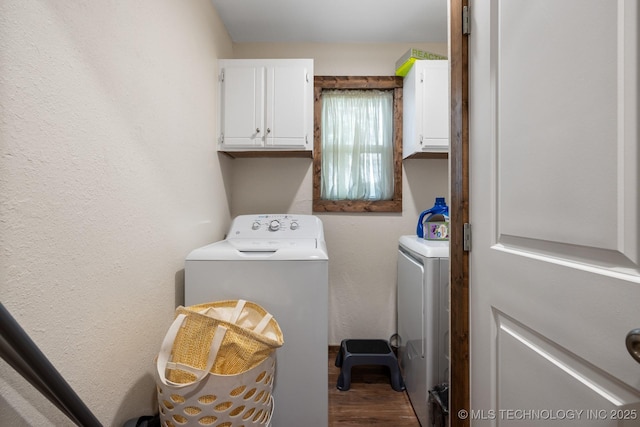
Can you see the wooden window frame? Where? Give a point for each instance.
(358, 82)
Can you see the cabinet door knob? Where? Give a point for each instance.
(257, 130)
(268, 131)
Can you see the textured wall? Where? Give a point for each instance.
(109, 178)
(362, 247)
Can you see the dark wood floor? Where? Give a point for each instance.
(370, 401)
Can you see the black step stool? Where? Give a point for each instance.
(367, 352)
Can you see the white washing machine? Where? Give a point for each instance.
(281, 263)
(423, 319)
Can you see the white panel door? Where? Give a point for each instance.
(554, 205)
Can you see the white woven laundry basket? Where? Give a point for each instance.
(216, 366)
(221, 400)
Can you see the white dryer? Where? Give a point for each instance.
(423, 319)
(281, 263)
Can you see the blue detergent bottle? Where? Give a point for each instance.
(439, 208)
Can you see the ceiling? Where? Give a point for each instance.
(334, 21)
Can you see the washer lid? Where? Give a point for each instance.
(266, 250)
(261, 245)
(426, 248)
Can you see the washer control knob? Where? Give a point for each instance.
(294, 225)
(255, 225)
(274, 225)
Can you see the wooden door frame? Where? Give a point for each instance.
(459, 215)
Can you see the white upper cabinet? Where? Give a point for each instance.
(425, 107)
(266, 106)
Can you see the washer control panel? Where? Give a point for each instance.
(271, 226)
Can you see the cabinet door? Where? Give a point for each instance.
(289, 103)
(433, 125)
(242, 106)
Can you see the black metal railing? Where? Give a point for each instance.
(19, 351)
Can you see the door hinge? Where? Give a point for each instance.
(221, 77)
(466, 237)
(222, 138)
(466, 21)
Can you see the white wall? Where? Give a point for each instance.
(109, 178)
(362, 247)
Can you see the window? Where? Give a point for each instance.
(358, 144)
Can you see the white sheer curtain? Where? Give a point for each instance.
(357, 145)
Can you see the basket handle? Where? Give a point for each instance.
(235, 315)
(163, 361)
(260, 327)
(231, 317)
